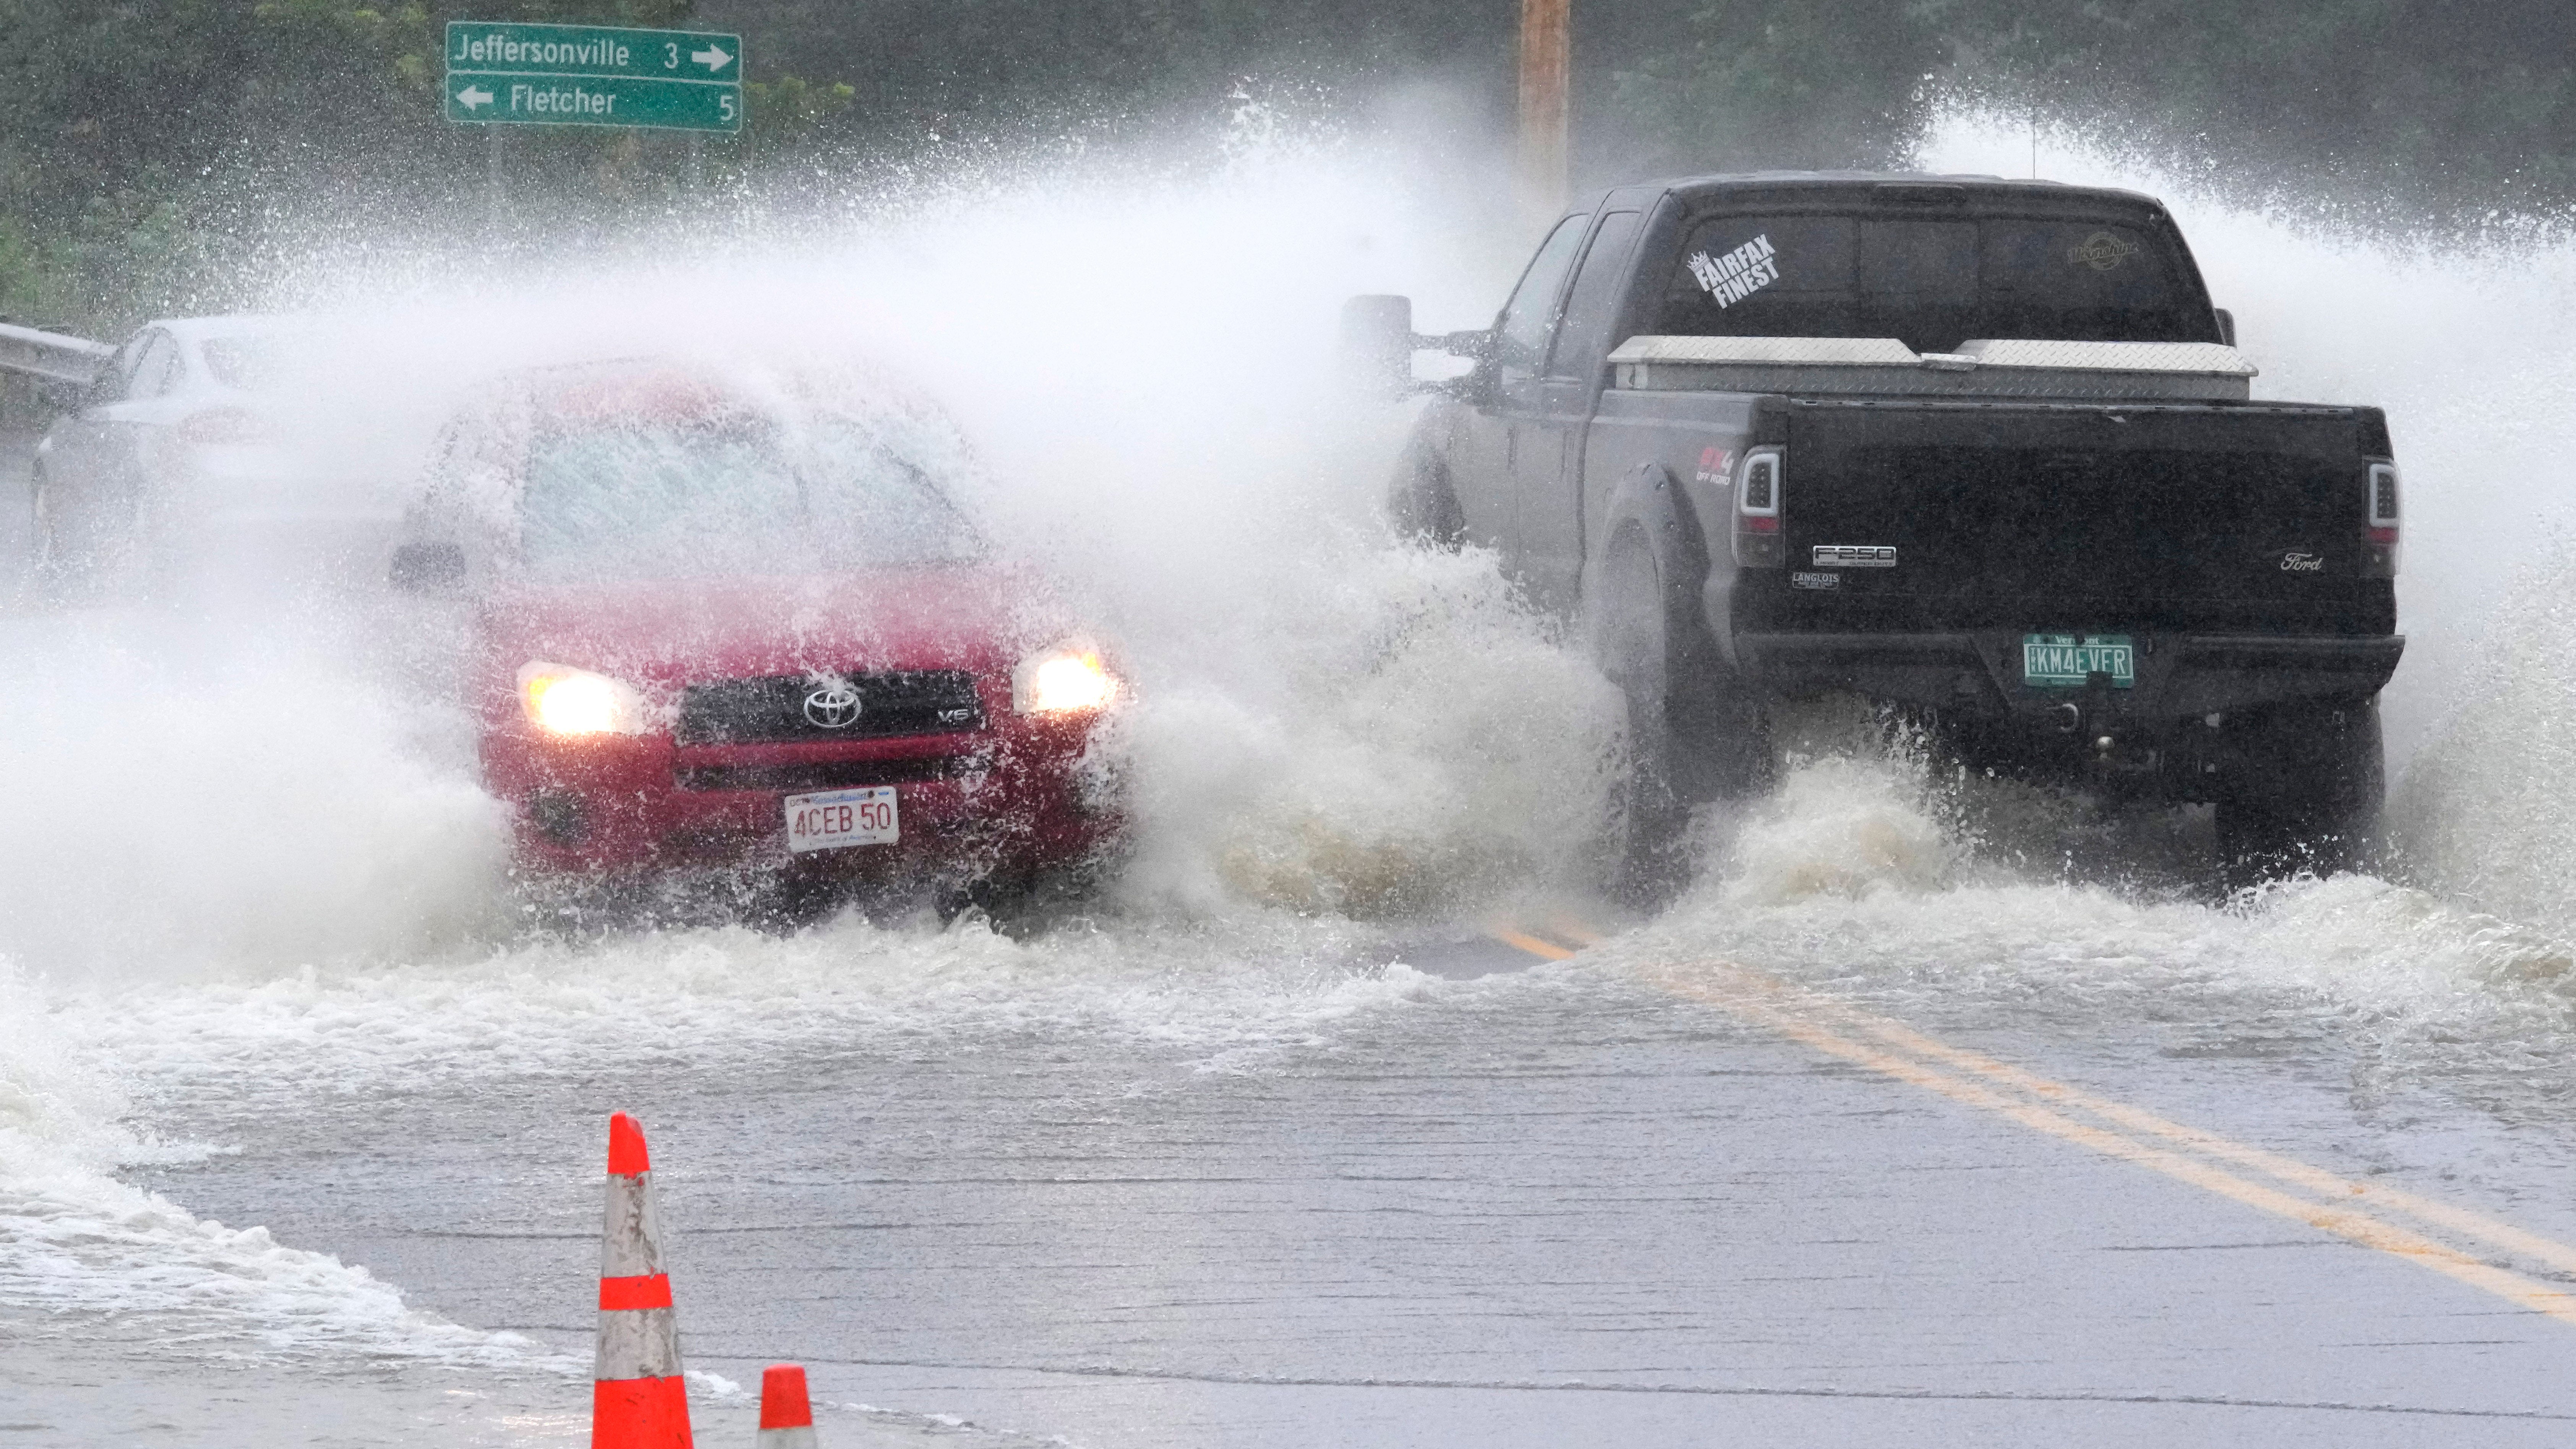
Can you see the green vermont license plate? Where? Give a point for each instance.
(2067, 660)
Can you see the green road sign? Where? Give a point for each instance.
(541, 100)
(593, 75)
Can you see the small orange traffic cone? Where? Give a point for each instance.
(786, 1416)
(637, 1398)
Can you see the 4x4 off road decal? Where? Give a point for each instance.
(1731, 278)
(2102, 251)
(1715, 465)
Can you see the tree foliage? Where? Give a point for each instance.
(2387, 113)
(145, 145)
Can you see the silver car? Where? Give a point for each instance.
(188, 450)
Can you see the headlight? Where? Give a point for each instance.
(1064, 680)
(562, 700)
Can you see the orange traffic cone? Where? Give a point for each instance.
(637, 1398)
(786, 1417)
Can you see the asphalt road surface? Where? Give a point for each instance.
(1739, 1176)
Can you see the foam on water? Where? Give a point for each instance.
(83, 1254)
(2483, 813)
(196, 793)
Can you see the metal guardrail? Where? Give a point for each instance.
(51, 355)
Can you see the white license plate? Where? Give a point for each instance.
(836, 818)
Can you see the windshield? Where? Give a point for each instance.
(1933, 282)
(736, 495)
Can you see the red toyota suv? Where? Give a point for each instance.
(737, 633)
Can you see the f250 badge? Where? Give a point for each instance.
(2300, 561)
(1855, 556)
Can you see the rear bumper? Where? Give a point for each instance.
(1978, 674)
(2191, 727)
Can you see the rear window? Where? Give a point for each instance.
(251, 364)
(727, 496)
(1932, 282)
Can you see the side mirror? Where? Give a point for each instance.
(427, 568)
(2226, 326)
(1377, 345)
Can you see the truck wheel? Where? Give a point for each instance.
(1423, 506)
(2306, 792)
(1648, 862)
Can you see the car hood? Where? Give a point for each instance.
(977, 617)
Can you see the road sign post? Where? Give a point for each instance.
(592, 75)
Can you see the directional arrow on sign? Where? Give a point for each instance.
(712, 58)
(474, 97)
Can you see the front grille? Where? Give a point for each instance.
(821, 775)
(906, 702)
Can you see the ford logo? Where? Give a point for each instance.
(832, 707)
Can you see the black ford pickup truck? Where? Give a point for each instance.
(1980, 452)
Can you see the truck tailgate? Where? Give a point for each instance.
(2194, 517)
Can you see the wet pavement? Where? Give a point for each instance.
(1584, 1202)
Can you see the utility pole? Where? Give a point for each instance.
(1546, 51)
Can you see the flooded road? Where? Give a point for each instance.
(1268, 1185)
(1934, 1111)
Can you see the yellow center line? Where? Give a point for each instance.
(2459, 1220)
(1566, 928)
(2346, 1223)
(1794, 1013)
(1544, 950)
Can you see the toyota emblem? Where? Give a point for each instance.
(832, 707)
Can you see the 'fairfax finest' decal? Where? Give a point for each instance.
(2102, 251)
(1738, 274)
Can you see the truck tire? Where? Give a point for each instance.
(2305, 792)
(1648, 861)
(1423, 507)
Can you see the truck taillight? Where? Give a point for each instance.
(2382, 505)
(1760, 480)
